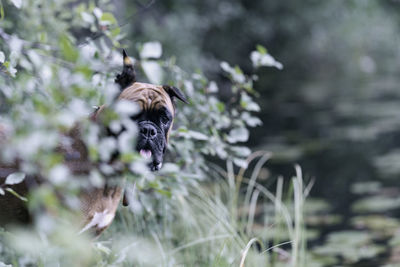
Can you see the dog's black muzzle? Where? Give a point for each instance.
(151, 143)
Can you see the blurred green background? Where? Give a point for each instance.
(334, 108)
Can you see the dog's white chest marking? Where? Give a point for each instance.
(99, 220)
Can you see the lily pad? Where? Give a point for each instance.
(382, 224)
(376, 204)
(326, 219)
(314, 205)
(351, 245)
(369, 187)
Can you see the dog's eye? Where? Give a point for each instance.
(164, 119)
(136, 116)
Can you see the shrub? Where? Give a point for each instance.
(60, 59)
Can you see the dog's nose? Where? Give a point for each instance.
(148, 131)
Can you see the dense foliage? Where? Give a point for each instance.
(58, 60)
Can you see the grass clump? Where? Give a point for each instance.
(232, 221)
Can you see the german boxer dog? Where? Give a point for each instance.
(99, 205)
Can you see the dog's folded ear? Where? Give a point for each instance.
(175, 92)
(128, 75)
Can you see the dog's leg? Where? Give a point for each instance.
(99, 207)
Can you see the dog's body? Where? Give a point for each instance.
(99, 205)
(13, 209)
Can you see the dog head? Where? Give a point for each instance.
(157, 111)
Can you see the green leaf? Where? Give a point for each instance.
(1, 11)
(220, 107)
(85, 70)
(115, 32)
(15, 178)
(165, 193)
(261, 49)
(16, 194)
(108, 18)
(128, 157)
(93, 153)
(10, 69)
(238, 70)
(67, 49)
(182, 130)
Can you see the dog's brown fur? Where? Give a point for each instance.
(98, 205)
(96, 201)
(148, 96)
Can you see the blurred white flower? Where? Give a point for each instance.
(115, 126)
(367, 64)
(189, 87)
(93, 135)
(106, 169)
(17, 3)
(96, 179)
(59, 174)
(66, 119)
(31, 144)
(97, 12)
(235, 73)
(140, 167)
(126, 108)
(87, 17)
(79, 108)
(16, 44)
(264, 59)
(106, 147)
(111, 91)
(238, 135)
(2, 57)
(126, 142)
(151, 50)
(46, 74)
(88, 51)
(153, 71)
(213, 87)
(34, 58)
